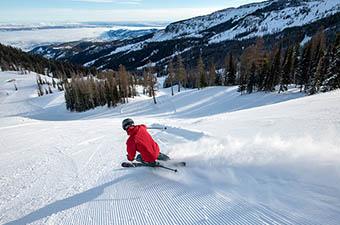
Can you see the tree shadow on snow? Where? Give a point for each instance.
(66, 203)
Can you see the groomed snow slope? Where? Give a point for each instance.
(250, 161)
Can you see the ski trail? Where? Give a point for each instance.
(19, 125)
(143, 197)
(243, 167)
(89, 141)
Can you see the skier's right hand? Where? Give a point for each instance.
(127, 156)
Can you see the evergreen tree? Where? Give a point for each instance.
(333, 72)
(171, 76)
(201, 74)
(180, 73)
(264, 72)
(68, 97)
(305, 67)
(319, 75)
(296, 72)
(40, 88)
(212, 75)
(49, 89)
(317, 52)
(54, 83)
(230, 74)
(274, 75)
(123, 83)
(287, 70)
(150, 81)
(252, 79)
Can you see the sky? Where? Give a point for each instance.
(39, 11)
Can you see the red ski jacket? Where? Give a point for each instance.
(141, 141)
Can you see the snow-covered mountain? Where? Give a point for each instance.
(252, 20)
(212, 35)
(263, 158)
(124, 34)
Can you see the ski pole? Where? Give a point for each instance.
(167, 168)
(157, 128)
(161, 166)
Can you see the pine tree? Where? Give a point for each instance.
(305, 67)
(264, 72)
(276, 68)
(132, 85)
(54, 83)
(212, 75)
(123, 83)
(318, 77)
(40, 88)
(201, 74)
(180, 73)
(150, 82)
(171, 76)
(49, 89)
(108, 93)
(296, 61)
(274, 75)
(333, 72)
(230, 68)
(252, 79)
(68, 97)
(287, 70)
(317, 52)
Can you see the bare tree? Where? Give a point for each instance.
(150, 81)
(123, 81)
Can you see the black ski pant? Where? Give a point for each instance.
(161, 157)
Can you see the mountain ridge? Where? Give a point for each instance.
(239, 26)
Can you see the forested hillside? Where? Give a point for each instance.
(17, 60)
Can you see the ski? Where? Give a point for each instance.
(134, 164)
(159, 165)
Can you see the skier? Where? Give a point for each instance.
(141, 141)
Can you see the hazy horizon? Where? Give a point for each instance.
(75, 11)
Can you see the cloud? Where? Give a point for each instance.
(83, 15)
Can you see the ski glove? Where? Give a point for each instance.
(127, 156)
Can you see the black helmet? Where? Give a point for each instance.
(126, 123)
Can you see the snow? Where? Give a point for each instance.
(29, 39)
(264, 158)
(90, 63)
(305, 40)
(192, 27)
(276, 21)
(124, 34)
(248, 21)
(128, 48)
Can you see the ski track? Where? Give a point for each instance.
(141, 200)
